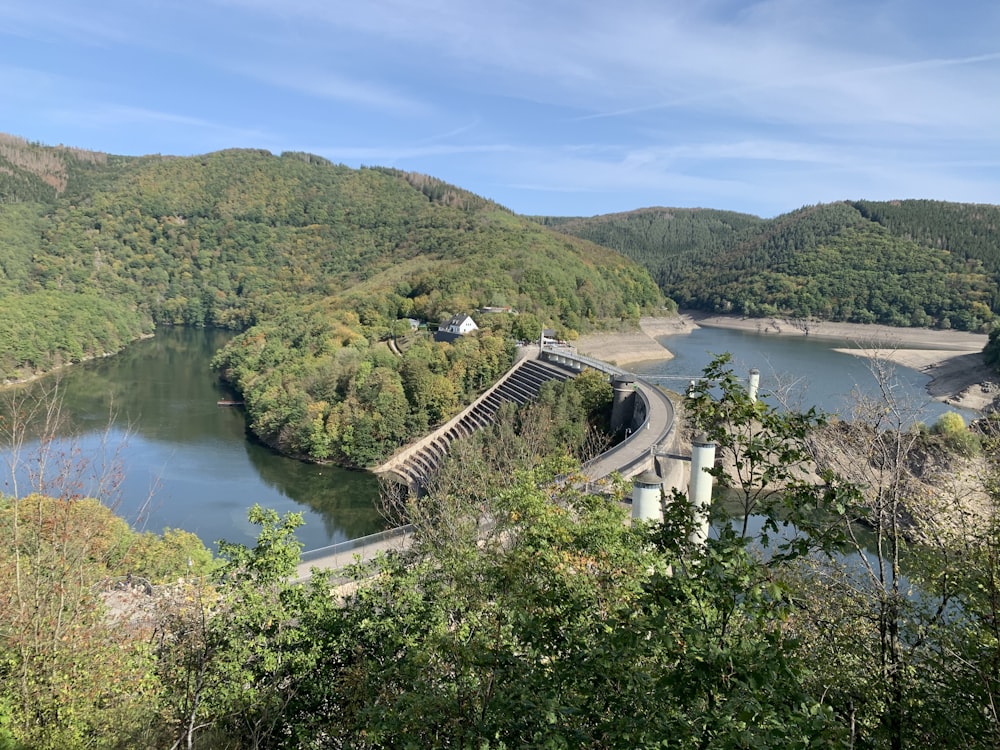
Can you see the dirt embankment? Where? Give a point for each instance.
(629, 346)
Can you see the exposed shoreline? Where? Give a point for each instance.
(627, 347)
(953, 359)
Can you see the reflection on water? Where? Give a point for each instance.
(188, 463)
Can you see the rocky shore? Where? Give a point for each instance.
(953, 359)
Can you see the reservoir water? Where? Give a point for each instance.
(188, 463)
(805, 369)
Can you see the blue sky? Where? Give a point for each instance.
(564, 107)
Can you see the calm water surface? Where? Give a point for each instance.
(807, 368)
(188, 463)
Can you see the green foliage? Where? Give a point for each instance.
(161, 558)
(225, 238)
(232, 656)
(73, 676)
(41, 331)
(991, 353)
(537, 629)
(949, 423)
(596, 393)
(905, 263)
(314, 387)
(951, 427)
(311, 258)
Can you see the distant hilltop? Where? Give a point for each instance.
(902, 263)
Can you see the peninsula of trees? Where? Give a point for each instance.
(316, 262)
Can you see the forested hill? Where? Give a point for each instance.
(318, 261)
(903, 263)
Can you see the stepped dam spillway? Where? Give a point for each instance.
(643, 411)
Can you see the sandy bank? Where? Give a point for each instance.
(626, 347)
(953, 359)
(861, 334)
(958, 378)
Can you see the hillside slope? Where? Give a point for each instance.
(902, 263)
(314, 257)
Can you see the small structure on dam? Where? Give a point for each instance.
(647, 497)
(624, 401)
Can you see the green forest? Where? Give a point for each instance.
(860, 611)
(901, 263)
(316, 263)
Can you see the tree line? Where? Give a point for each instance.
(900, 263)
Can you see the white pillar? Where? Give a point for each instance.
(754, 384)
(646, 497)
(700, 487)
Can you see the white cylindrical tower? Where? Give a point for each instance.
(754, 384)
(647, 497)
(700, 487)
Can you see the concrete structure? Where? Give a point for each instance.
(700, 487)
(754, 384)
(647, 497)
(646, 453)
(624, 401)
(415, 464)
(650, 422)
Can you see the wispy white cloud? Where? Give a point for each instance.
(127, 115)
(99, 25)
(784, 61)
(331, 85)
(123, 116)
(756, 100)
(16, 81)
(766, 178)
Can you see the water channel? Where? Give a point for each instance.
(188, 463)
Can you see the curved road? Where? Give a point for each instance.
(635, 454)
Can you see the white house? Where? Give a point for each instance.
(460, 324)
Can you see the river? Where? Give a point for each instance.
(187, 463)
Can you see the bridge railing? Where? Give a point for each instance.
(640, 435)
(355, 544)
(634, 443)
(557, 352)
